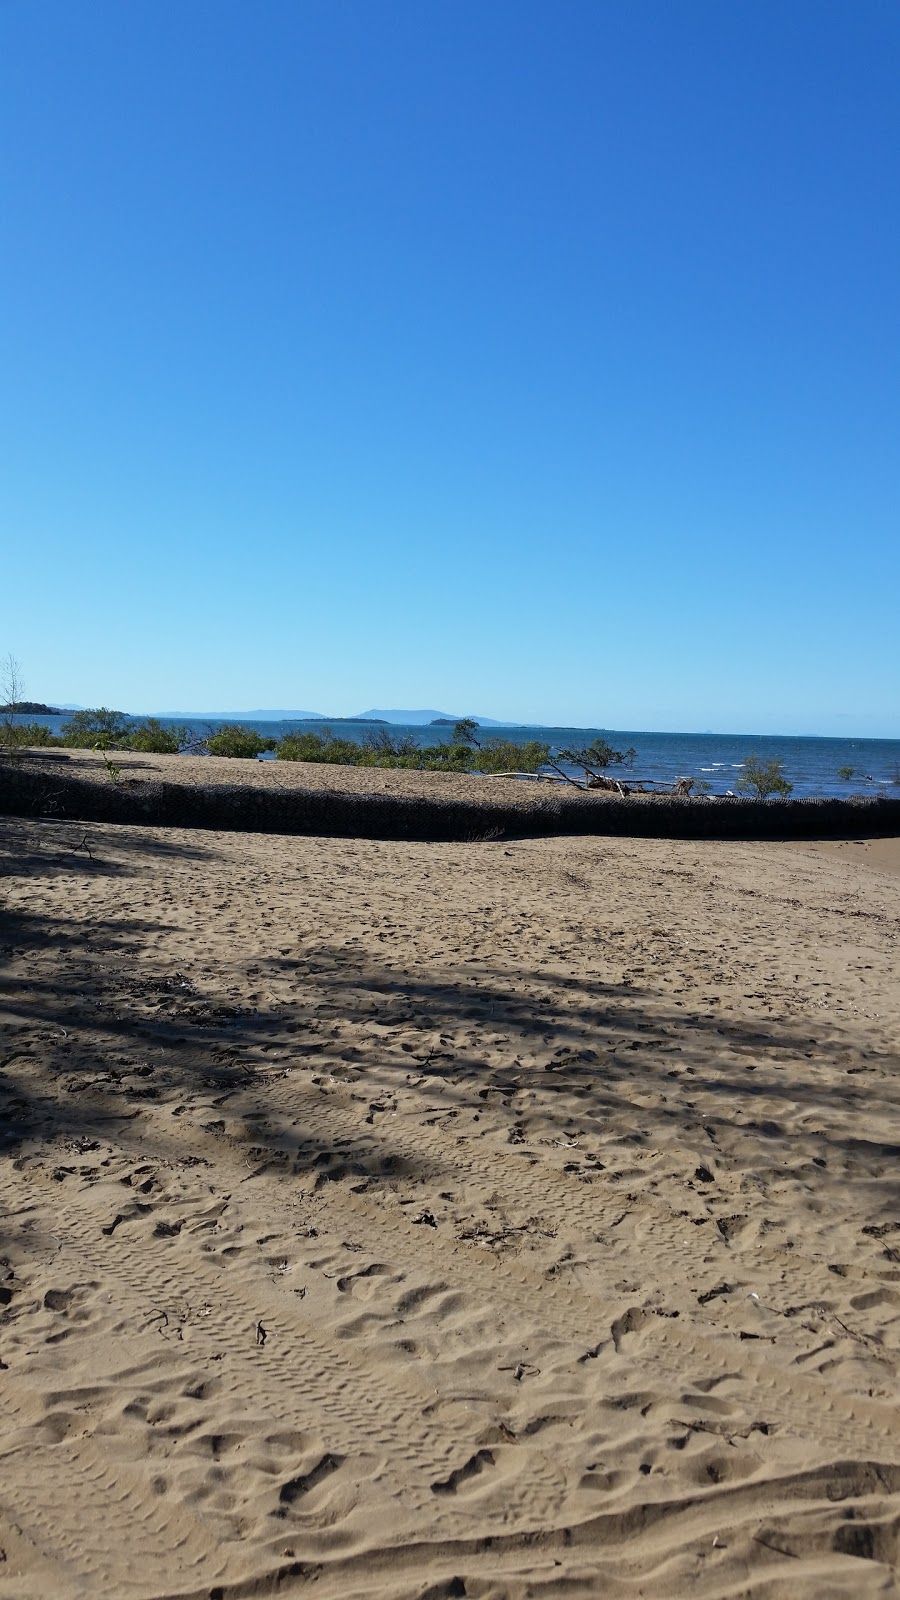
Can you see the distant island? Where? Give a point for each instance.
(375, 717)
(431, 718)
(240, 716)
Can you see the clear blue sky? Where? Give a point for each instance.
(532, 358)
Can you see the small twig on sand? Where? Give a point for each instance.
(82, 846)
(777, 1548)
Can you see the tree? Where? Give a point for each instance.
(465, 730)
(153, 737)
(12, 687)
(235, 740)
(594, 758)
(382, 745)
(846, 773)
(11, 690)
(321, 747)
(504, 755)
(97, 729)
(762, 778)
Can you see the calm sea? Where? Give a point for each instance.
(811, 765)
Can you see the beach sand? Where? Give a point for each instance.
(400, 1220)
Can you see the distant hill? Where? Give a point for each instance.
(418, 718)
(241, 716)
(415, 719)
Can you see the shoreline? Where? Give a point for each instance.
(306, 798)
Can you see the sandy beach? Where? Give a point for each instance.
(503, 1219)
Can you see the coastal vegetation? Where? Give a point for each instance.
(24, 735)
(594, 759)
(158, 738)
(763, 778)
(98, 729)
(384, 749)
(107, 730)
(594, 765)
(102, 729)
(236, 740)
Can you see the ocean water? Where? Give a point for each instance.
(810, 764)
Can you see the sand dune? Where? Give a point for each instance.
(405, 1220)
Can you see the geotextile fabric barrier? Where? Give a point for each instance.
(27, 792)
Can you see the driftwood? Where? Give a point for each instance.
(565, 776)
(681, 788)
(535, 777)
(599, 780)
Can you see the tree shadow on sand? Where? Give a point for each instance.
(99, 1031)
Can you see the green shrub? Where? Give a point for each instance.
(153, 737)
(383, 749)
(25, 736)
(323, 747)
(98, 729)
(503, 755)
(762, 778)
(378, 758)
(381, 743)
(300, 747)
(235, 740)
(456, 757)
(846, 773)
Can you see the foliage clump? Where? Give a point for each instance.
(25, 735)
(97, 729)
(323, 747)
(593, 759)
(156, 738)
(102, 729)
(763, 778)
(504, 755)
(233, 739)
(384, 749)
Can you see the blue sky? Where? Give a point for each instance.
(536, 358)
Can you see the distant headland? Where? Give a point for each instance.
(432, 719)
